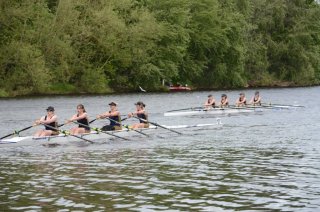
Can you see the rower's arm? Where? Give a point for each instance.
(49, 121)
(136, 112)
(76, 118)
(108, 114)
(38, 121)
(244, 100)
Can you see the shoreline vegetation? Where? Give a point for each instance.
(56, 47)
(163, 90)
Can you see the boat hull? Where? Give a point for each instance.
(214, 111)
(179, 88)
(99, 137)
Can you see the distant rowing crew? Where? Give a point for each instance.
(210, 107)
(50, 121)
(224, 102)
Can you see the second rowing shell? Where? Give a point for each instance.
(214, 111)
(96, 137)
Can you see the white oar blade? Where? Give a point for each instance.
(13, 140)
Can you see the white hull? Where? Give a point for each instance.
(94, 136)
(214, 111)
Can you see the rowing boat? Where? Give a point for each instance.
(95, 136)
(196, 111)
(213, 111)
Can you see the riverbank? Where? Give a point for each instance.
(71, 91)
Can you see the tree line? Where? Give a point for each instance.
(100, 46)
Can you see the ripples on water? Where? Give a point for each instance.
(266, 161)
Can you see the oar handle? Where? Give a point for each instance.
(92, 121)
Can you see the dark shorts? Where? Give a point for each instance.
(55, 132)
(110, 128)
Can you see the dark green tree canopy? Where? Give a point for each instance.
(73, 46)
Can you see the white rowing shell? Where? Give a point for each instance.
(214, 111)
(93, 135)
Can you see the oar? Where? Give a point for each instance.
(158, 125)
(189, 108)
(16, 132)
(127, 126)
(66, 133)
(271, 104)
(261, 106)
(99, 130)
(92, 121)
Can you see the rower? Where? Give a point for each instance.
(256, 99)
(82, 118)
(51, 120)
(210, 103)
(114, 116)
(224, 101)
(140, 113)
(242, 101)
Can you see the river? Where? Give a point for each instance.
(257, 161)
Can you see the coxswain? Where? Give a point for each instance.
(242, 101)
(82, 118)
(114, 116)
(51, 121)
(141, 114)
(210, 103)
(256, 99)
(224, 101)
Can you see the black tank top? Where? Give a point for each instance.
(83, 121)
(142, 116)
(213, 104)
(115, 121)
(52, 124)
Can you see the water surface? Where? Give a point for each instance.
(256, 161)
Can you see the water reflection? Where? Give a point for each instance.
(160, 179)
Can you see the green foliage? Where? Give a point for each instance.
(51, 46)
(62, 88)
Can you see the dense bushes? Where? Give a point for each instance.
(51, 46)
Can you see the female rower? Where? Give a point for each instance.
(256, 100)
(224, 101)
(242, 101)
(114, 116)
(51, 121)
(82, 118)
(141, 114)
(210, 103)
